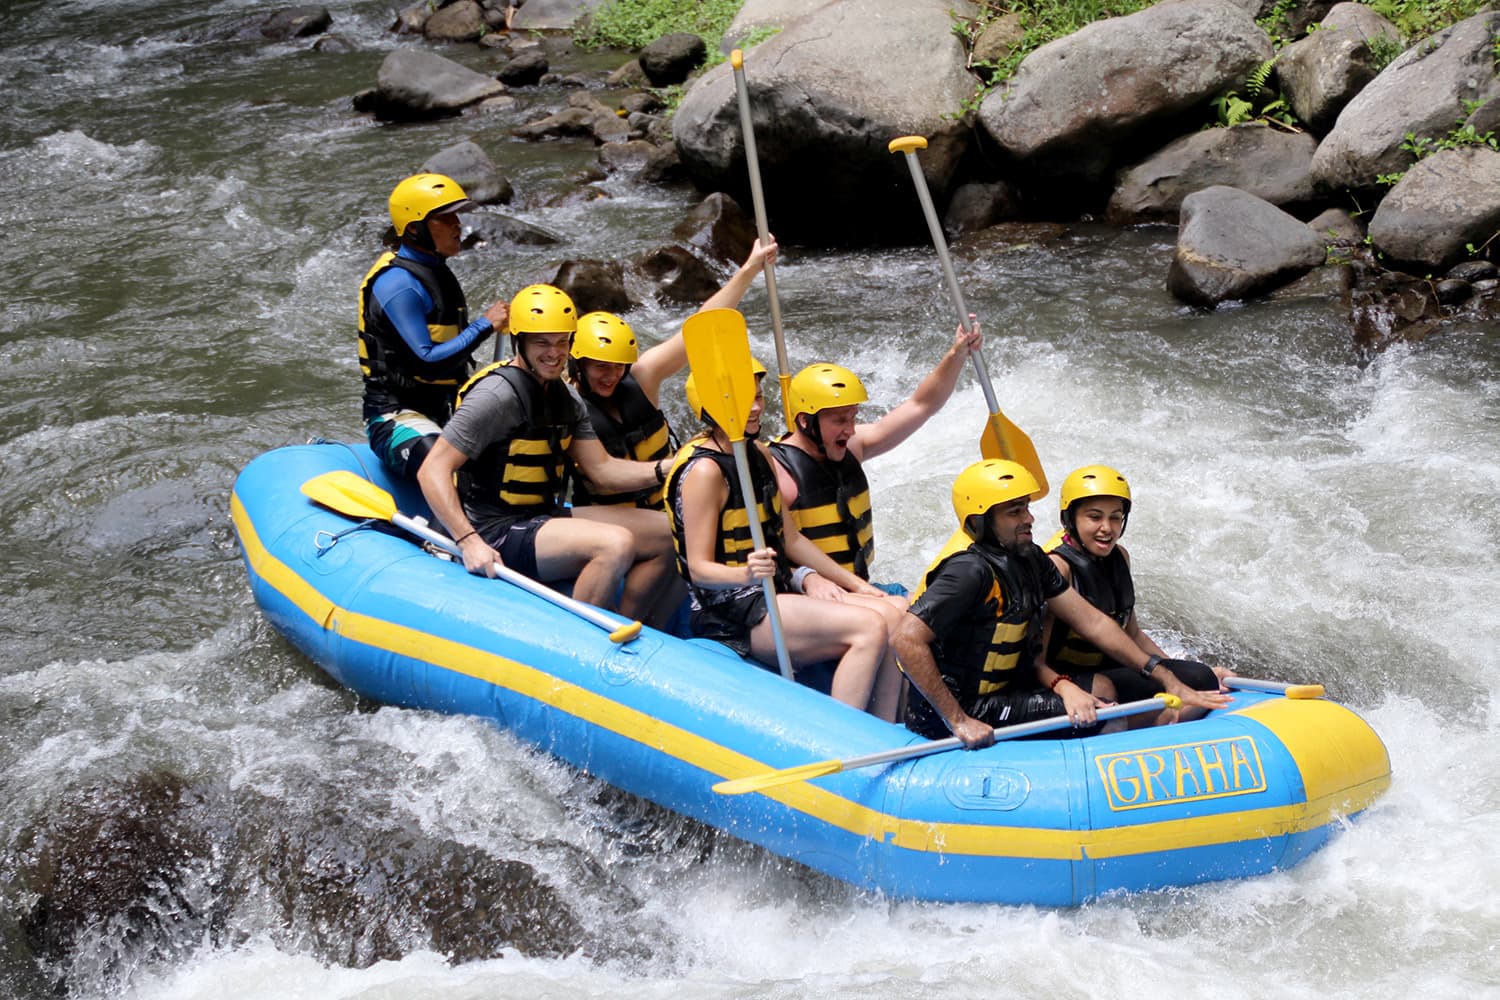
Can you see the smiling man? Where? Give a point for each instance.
(969, 644)
(495, 477)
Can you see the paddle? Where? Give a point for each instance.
(1001, 438)
(718, 350)
(346, 493)
(806, 772)
(1298, 691)
(758, 198)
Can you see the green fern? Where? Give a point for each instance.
(1255, 83)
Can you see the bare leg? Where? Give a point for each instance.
(653, 590)
(824, 630)
(598, 554)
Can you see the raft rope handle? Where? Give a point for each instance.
(333, 537)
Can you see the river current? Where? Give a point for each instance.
(187, 224)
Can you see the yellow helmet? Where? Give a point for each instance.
(542, 309)
(821, 386)
(421, 195)
(604, 336)
(988, 483)
(1091, 481)
(696, 405)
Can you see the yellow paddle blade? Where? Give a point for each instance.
(1003, 439)
(718, 350)
(348, 494)
(772, 779)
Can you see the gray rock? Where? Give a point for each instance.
(975, 206)
(1423, 92)
(827, 95)
(462, 21)
(491, 227)
(671, 59)
(1267, 162)
(717, 229)
(475, 172)
(756, 16)
(552, 15)
(679, 276)
(1076, 106)
(628, 75)
(414, 84)
(1474, 271)
(1448, 200)
(641, 160)
(296, 22)
(1321, 73)
(1337, 228)
(999, 39)
(1233, 245)
(594, 285)
(524, 69)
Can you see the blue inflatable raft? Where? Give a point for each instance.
(1245, 791)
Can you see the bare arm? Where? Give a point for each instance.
(912, 640)
(704, 494)
(666, 359)
(436, 479)
(933, 391)
(615, 475)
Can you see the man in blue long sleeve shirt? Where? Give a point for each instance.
(415, 338)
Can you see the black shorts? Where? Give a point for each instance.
(1010, 707)
(515, 540)
(1131, 685)
(730, 621)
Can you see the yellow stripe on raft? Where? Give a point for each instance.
(1325, 764)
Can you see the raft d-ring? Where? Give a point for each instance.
(333, 537)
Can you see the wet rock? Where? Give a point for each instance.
(1080, 105)
(335, 43)
(678, 275)
(1267, 162)
(628, 75)
(1424, 91)
(411, 20)
(594, 285)
(1233, 245)
(296, 22)
(414, 85)
(475, 172)
(671, 59)
(1444, 204)
(975, 206)
(1452, 291)
(642, 101)
(524, 69)
(462, 21)
(717, 229)
(641, 160)
(1007, 237)
(1338, 228)
(585, 115)
(492, 227)
(1394, 307)
(1474, 271)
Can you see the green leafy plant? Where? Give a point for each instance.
(634, 24)
(1418, 19)
(1259, 103)
(1383, 51)
(1460, 135)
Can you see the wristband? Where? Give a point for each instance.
(1152, 662)
(1058, 680)
(661, 477)
(799, 578)
(460, 539)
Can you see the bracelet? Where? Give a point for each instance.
(661, 477)
(460, 539)
(1058, 680)
(799, 578)
(1152, 662)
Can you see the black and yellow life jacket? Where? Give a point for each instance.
(1104, 583)
(523, 472)
(832, 506)
(734, 542)
(641, 434)
(984, 654)
(395, 377)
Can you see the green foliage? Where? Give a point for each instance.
(1260, 102)
(1417, 19)
(1460, 135)
(634, 24)
(1383, 51)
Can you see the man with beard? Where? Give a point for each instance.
(970, 643)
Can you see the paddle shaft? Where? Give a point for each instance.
(762, 229)
(1295, 691)
(526, 583)
(941, 245)
(758, 539)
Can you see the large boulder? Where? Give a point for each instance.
(551, 15)
(1424, 91)
(1267, 162)
(415, 85)
(1118, 88)
(458, 22)
(1233, 245)
(671, 59)
(475, 172)
(827, 95)
(1322, 72)
(759, 16)
(1446, 203)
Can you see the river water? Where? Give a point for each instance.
(188, 222)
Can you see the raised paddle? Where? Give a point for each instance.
(718, 350)
(348, 494)
(806, 772)
(758, 200)
(1297, 691)
(1001, 438)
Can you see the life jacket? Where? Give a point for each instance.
(734, 542)
(983, 654)
(832, 506)
(395, 377)
(523, 473)
(1104, 583)
(641, 434)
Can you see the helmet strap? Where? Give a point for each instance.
(418, 235)
(812, 427)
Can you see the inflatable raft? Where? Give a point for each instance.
(1248, 790)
